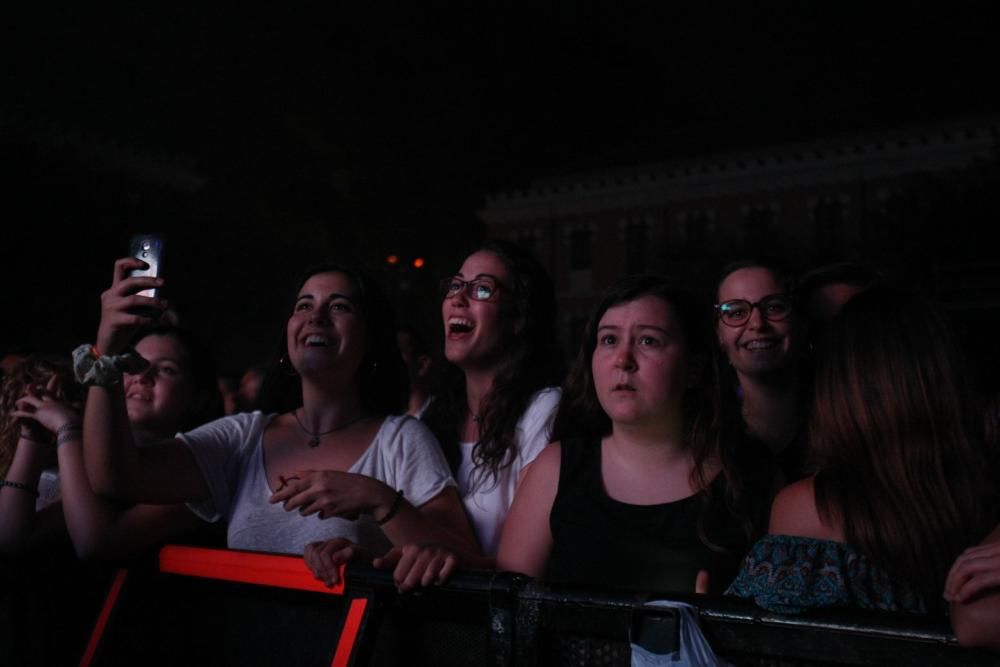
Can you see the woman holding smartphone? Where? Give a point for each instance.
(325, 472)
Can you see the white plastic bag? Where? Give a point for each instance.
(693, 651)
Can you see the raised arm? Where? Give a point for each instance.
(526, 540)
(973, 589)
(161, 474)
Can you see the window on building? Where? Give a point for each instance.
(579, 249)
(760, 227)
(696, 230)
(828, 215)
(636, 242)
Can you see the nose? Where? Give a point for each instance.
(624, 359)
(757, 319)
(148, 376)
(459, 298)
(319, 315)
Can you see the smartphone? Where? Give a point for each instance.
(149, 248)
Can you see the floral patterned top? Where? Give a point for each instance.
(788, 574)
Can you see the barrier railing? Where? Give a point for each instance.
(205, 606)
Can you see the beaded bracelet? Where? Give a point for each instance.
(21, 487)
(396, 503)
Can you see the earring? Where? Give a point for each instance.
(285, 364)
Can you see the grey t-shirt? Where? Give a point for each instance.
(230, 453)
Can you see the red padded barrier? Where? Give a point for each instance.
(245, 567)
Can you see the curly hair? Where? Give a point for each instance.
(531, 361)
(33, 370)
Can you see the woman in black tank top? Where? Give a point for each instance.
(647, 488)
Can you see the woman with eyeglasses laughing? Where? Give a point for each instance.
(495, 413)
(761, 337)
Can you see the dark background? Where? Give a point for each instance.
(262, 139)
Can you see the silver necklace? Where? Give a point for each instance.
(315, 437)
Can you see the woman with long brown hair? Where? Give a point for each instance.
(648, 487)
(901, 487)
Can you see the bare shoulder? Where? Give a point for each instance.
(547, 463)
(543, 472)
(795, 513)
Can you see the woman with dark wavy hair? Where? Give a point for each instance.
(327, 470)
(648, 488)
(494, 413)
(901, 487)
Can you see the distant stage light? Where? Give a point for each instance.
(418, 263)
(392, 259)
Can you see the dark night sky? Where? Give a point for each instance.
(380, 129)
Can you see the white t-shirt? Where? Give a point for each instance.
(230, 453)
(487, 502)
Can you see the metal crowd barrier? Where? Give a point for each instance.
(219, 607)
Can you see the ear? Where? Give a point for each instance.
(423, 365)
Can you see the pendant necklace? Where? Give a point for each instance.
(314, 438)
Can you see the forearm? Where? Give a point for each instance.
(441, 521)
(90, 519)
(111, 459)
(17, 505)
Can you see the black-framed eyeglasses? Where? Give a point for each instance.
(482, 288)
(736, 312)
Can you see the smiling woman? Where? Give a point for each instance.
(645, 490)
(495, 412)
(324, 470)
(761, 336)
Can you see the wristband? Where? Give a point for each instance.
(68, 433)
(392, 509)
(19, 486)
(94, 370)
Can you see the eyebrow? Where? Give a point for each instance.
(335, 295)
(479, 275)
(665, 332)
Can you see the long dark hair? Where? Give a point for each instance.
(898, 470)
(383, 386)
(531, 362)
(712, 425)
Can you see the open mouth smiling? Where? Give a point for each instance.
(762, 344)
(460, 325)
(316, 340)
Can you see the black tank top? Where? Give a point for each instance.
(601, 542)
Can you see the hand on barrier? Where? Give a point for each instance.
(974, 572)
(701, 582)
(331, 493)
(418, 565)
(326, 558)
